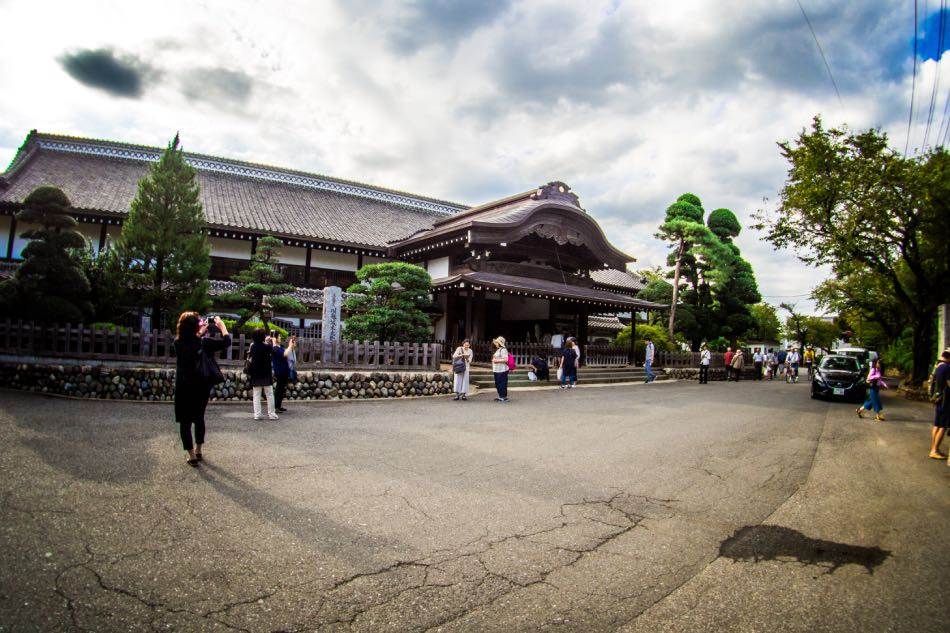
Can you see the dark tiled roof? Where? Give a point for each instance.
(620, 279)
(606, 322)
(103, 176)
(546, 288)
(308, 296)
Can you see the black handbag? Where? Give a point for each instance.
(208, 369)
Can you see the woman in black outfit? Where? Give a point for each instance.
(191, 389)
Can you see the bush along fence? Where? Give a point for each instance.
(715, 373)
(26, 339)
(156, 385)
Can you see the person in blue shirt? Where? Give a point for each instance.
(281, 368)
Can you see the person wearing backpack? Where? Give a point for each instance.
(940, 396)
(501, 363)
(461, 364)
(875, 382)
(194, 362)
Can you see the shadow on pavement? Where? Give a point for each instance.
(771, 542)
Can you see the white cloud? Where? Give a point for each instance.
(629, 103)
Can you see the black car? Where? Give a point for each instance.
(839, 376)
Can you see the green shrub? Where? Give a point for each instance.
(249, 327)
(110, 327)
(899, 355)
(657, 333)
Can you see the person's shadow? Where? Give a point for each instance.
(308, 525)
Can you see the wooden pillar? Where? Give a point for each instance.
(103, 233)
(451, 336)
(480, 331)
(253, 246)
(306, 272)
(582, 317)
(633, 335)
(12, 238)
(359, 261)
(469, 332)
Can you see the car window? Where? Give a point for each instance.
(839, 363)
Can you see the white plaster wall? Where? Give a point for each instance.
(375, 260)
(112, 234)
(235, 249)
(91, 233)
(332, 260)
(5, 222)
(20, 242)
(438, 267)
(296, 255)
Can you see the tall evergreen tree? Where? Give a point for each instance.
(261, 287)
(163, 242)
(49, 285)
(739, 290)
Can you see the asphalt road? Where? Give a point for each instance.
(667, 507)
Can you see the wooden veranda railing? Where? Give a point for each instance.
(27, 339)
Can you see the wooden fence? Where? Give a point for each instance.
(688, 359)
(19, 338)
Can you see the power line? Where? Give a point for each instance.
(818, 44)
(913, 85)
(933, 93)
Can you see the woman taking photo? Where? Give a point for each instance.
(192, 386)
(260, 373)
(461, 364)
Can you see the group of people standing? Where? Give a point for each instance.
(766, 364)
(270, 367)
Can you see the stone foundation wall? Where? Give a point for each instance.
(91, 381)
(715, 373)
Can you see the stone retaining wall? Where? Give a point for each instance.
(93, 381)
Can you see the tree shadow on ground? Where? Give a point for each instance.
(758, 543)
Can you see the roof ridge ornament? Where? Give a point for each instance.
(557, 190)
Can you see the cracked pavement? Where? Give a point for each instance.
(590, 510)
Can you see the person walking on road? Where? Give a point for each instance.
(648, 361)
(738, 362)
(260, 373)
(781, 357)
(809, 359)
(757, 359)
(500, 366)
(792, 360)
(727, 362)
(704, 359)
(568, 365)
(940, 396)
(192, 388)
(461, 366)
(875, 383)
(770, 363)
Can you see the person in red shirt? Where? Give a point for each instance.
(728, 361)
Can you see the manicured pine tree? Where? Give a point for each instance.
(261, 287)
(162, 240)
(389, 303)
(49, 285)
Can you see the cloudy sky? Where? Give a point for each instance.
(630, 102)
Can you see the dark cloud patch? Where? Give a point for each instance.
(118, 74)
(415, 24)
(219, 86)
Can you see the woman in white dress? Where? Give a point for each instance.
(462, 353)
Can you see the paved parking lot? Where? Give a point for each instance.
(673, 506)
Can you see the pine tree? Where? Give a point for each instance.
(388, 303)
(162, 240)
(49, 285)
(261, 288)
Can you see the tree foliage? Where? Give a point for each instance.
(656, 333)
(765, 323)
(389, 303)
(108, 282)
(49, 285)
(849, 200)
(261, 289)
(162, 241)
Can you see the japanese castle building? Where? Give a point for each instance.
(521, 267)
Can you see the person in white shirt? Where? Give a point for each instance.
(770, 363)
(705, 356)
(500, 368)
(757, 359)
(793, 360)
